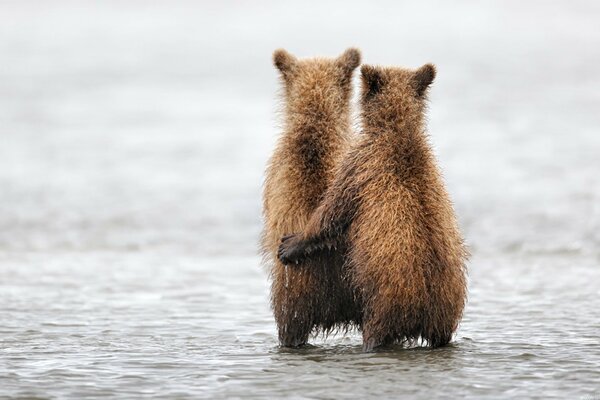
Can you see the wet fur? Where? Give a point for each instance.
(315, 295)
(388, 205)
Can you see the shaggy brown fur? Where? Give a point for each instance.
(388, 204)
(313, 296)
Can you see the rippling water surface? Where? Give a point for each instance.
(133, 139)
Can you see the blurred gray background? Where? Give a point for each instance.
(133, 140)
(129, 124)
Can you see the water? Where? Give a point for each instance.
(133, 139)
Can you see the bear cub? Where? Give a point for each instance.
(388, 207)
(316, 295)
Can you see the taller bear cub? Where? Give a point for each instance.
(317, 92)
(388, 205)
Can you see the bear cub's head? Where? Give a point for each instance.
(317, 86)
(392, 93)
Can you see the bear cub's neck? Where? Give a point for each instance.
(315, 124)
(400, 135)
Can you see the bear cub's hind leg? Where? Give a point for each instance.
(293, 334)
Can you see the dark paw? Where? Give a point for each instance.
(291, 250)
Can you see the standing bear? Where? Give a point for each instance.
(316, 135)
(388, 206)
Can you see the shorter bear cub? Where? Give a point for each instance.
(388, 207)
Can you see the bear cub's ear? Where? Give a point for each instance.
(284, 61)
(348, 61)
(423, 77)
(372, 80)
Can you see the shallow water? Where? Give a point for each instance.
(132, 144)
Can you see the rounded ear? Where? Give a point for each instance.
(423, 77)
(348, 61)
(284, 61)
(372, 80)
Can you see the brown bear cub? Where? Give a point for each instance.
(315, 296)
(388, 206)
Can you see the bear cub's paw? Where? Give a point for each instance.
(292, 249)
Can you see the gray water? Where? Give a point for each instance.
(133, 139)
